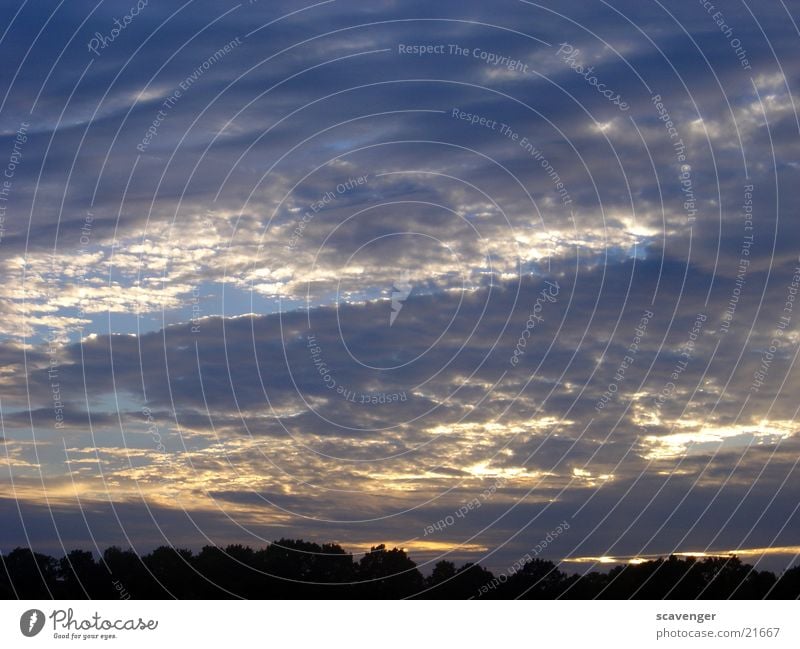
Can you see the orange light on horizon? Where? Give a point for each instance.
(639, 559)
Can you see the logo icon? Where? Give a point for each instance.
(402, 289)
(31, 622)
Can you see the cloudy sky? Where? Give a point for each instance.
(436, 274)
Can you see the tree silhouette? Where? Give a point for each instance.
(31, 575)
(387, 574)
(538, 579)
(81, 576)
(293, 568)
(447, 582)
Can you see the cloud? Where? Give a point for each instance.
(204, 251)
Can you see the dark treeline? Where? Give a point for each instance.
(293, 569)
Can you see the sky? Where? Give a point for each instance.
(441, 275)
